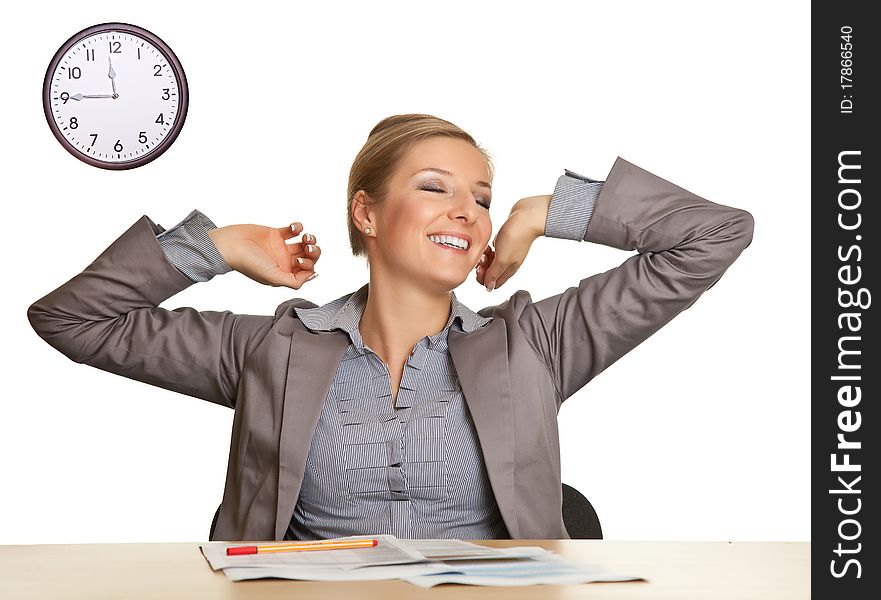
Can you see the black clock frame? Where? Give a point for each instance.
(173, 62)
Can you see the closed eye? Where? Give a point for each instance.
(483, 201)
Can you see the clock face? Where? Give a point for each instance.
(115, 96)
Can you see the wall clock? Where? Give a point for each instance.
(115, 96)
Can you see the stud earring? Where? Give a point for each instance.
(367, 230)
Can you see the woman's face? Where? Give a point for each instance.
(441, 187)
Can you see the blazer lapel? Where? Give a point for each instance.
(481, 361)
(311, 368)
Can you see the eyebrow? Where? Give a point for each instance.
(445, 172)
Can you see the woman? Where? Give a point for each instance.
(396, 409)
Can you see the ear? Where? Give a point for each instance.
(363, 211)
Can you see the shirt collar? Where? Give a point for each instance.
(345, 313)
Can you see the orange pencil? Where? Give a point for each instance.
(303, 546)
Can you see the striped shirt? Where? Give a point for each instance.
(415, 469)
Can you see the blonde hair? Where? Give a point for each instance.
(387, 143)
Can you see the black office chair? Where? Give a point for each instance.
(213, 523)
(581, 520)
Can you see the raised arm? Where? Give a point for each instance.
(108, 316)
(684, 243)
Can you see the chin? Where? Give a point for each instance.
(448, 284)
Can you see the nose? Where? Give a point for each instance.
(465, 207)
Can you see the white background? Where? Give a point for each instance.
(700, 433)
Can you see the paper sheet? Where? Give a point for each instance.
(332, 574)
(416, 561)
(447, 550)
(545, 569)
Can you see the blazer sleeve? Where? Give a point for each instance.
(684, 243)
(108, 317)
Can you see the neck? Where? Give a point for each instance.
(398, 316)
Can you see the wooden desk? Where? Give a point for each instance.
(675, 570)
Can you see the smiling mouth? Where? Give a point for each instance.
(446, 247)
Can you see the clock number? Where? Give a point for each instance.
(160, 119)
(158, 72)
(117, 146)
(115, 47)
(165, 93)
(73, 123)
(64, 97)
(90, 54)
(94, 139)
(142, 137)
(74, 73)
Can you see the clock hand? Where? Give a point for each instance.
(81, 96)
(112, 76)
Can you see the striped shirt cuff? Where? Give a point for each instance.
(189, 248)
(572, 206)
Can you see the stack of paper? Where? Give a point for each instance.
(422, 562)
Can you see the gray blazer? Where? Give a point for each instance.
(515, 372)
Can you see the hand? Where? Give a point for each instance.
(79, 97)
(112, 76)
(263, 254)
(525, 224)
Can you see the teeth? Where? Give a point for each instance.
(449, 241)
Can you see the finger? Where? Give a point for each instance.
(296, 249)
(292, 280)
(492, 271)
(303, 263)
(496, 279)
(300, 248)
(313, 252)
(486, 257)
(506, 275)
(481, 276)
(302, 277)
(292, 230)
(485, 266)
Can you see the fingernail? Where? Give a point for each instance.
(312, 276)
(490, 286)
(310, 248)
(483, 258)
(300, 261)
